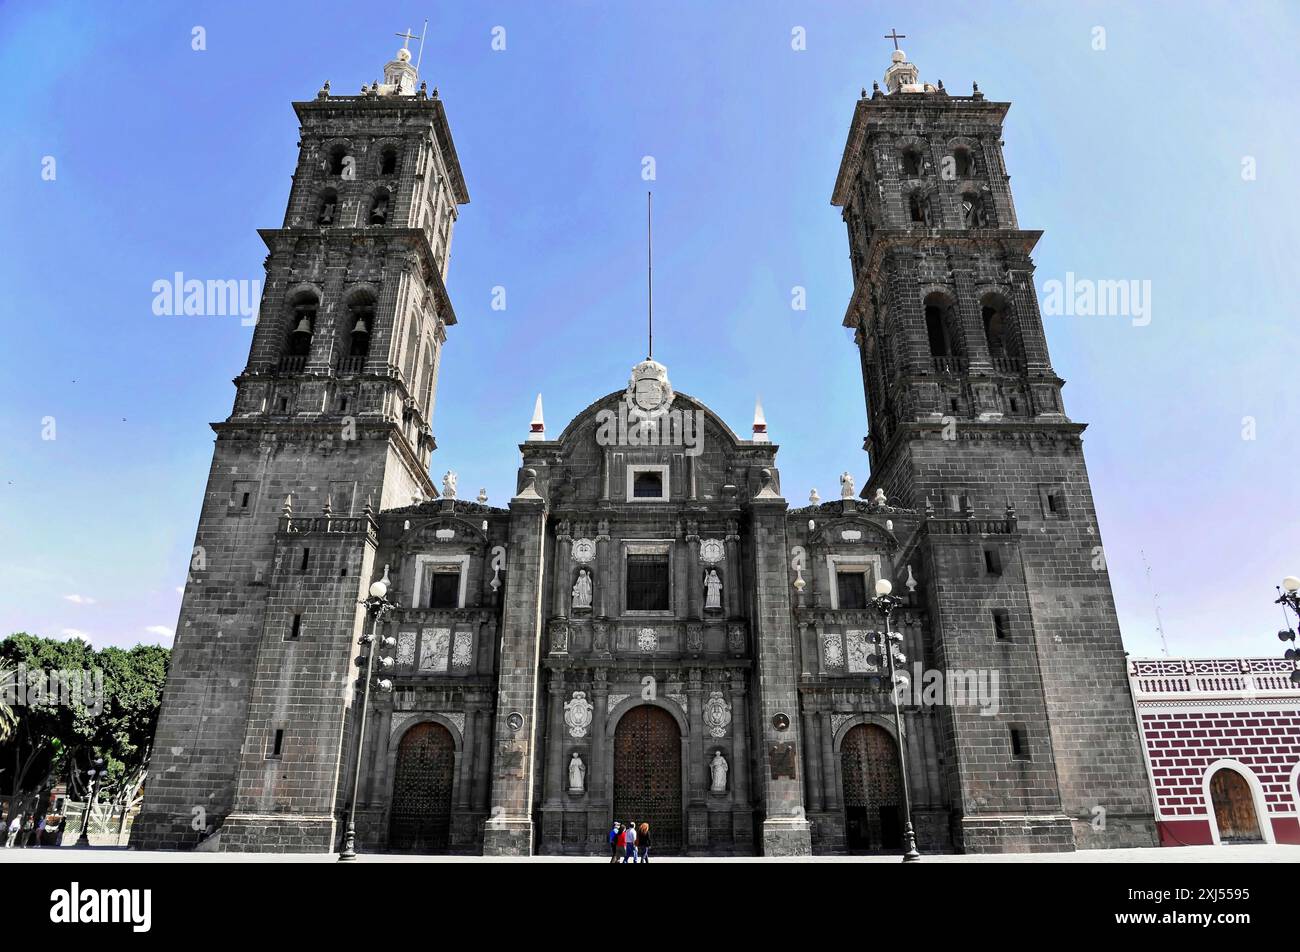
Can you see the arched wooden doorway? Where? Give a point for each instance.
(1234, 808)
(648, 774)
(422, 780)
(872, 792)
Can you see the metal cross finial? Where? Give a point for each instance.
(407, 37)
(893, 34)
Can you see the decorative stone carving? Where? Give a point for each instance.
(838, 721)
(718, 771)
(457, 718)
(577, 774)
(833, 650)
(584, 550)
(717, 714)
(736, 637)
(600, 637)
(647, 639)
(449, 485)
(851, 535)
(405, 649)
(694, 638)
(577, 714)
(616, 699)
(680, 699)
(462, 650)
(498, 565)
(712, 551)
(847, 490)
(582, 590)
(713, 591)
(559, 638)
(858, 649)
(434, 645)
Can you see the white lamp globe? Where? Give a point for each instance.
(379, 589)
(884, 586)
(1291, 583)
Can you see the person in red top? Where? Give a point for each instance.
(620, 844)
(616, 841)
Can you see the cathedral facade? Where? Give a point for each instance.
(649, 630)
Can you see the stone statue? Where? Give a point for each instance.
(718, 771)
(847, 490)
(879, 497)
(449, 485)
(582, 590)
(713, 590)
(577, 774)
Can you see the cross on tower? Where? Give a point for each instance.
(893, 34)
(406, 37)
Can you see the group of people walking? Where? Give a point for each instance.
(627, 841)
(28, 830)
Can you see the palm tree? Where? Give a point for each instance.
(8, 720)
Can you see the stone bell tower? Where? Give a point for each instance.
(331, 423)
(967, 424)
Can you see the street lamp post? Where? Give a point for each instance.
(93, 776)
(891, 651)
(377, 606)
(1288, 595)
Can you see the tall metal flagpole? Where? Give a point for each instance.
(650, 273)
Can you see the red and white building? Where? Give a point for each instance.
(1222, 744)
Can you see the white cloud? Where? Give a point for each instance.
(71, 633)
(180, 589)
(79, 599)
(162, 631)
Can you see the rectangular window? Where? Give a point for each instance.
(1053, 501)
(647, 583)
(992, 562)
(647, 483)
(442, 587)
(1001, 624)
(306, 558)
(851, 589)
(277, 745)
(295, 628)
(1019, 744)
(243, 503)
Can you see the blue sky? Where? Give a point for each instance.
(1130, 158)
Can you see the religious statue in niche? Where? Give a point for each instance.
(577, 774)
(718, 770)
(582, 591)
(847, 490)
(712, 591)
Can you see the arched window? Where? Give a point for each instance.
(410, 357)
(338, 160)
(940, 329)
(918, 209)
(974, 214)
(361, 324)
(302, 325)
(1000, 333)
(963, 163)
(430, 360)
(379, 207)
(912, 163)
(388, 161)
(327, 211)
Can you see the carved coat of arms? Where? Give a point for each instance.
(577, 714)
(717, 714)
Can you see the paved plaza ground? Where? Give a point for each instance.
(1182, 854)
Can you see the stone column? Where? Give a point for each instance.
(830, 786)
(600, 711)
(731, 592)
(696, 741)
(563, 590)
(483, 760)
(606, 601)
(467, 762)
(812, 761)
(741, 793)
(555, 741)
(509, 831)
(694, 604)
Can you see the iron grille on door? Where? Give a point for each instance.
(421, 814)
(872, 793)
(648, 775)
